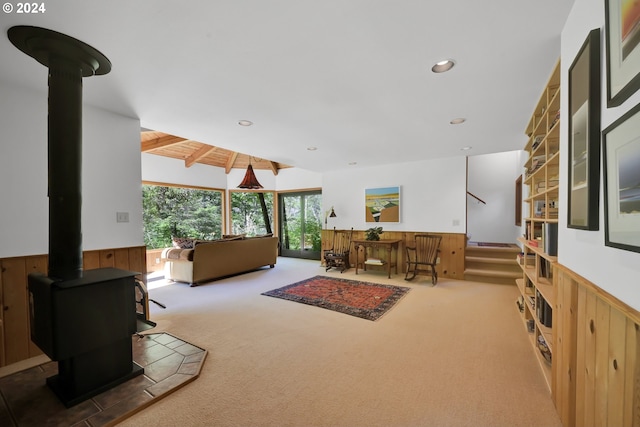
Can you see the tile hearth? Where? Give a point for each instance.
(169, 363)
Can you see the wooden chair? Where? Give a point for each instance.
(423, 256)
(338, 255)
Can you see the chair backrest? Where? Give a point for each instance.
(427, 248)
(341, 241)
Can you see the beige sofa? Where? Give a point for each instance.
(220, 258)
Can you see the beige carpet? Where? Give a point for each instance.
(456, 354)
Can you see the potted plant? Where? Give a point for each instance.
(373, 233)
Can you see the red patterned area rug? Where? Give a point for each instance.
(361, 299)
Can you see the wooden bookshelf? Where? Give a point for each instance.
(537, 294)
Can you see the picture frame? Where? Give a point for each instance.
(623, 50)
(584, 136)
(382, 204)
(518, 197)
(621, 155)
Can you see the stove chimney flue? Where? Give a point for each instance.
(68, 60)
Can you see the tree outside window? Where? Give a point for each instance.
(251, 212)
(182, 212)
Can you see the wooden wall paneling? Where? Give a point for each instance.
(16, 323)
(121, 258)
(107, 258)
(137, 262)
(580, 376)
(632, 383)
(451, 250)
(589, 373)
(617, 367)
(559, 363)
(15, 339)
(2, 356)
(155, 263)
(602, 359)
(569, 321)
(35, 264)
(565, 338)
(91, 260)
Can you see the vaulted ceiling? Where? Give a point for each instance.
(192, 152)
(328, 85)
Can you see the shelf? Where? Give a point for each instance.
(542, 173)
(537, 250)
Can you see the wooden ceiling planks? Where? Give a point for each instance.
(192, 152)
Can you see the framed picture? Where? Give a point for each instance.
(622, 182)
(584, 136)
(519, 201)
(382, 204)
(622, 23)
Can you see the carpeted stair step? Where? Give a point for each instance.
(488, 260)
(492, 264)
(492, 276)
(492, 252)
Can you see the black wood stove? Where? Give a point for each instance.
(84, 320)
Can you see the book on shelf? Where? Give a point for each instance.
(542, 185)
(374, 261)
(530, 257)
(536, 141)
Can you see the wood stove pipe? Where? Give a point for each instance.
(68, 60)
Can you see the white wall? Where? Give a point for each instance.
(296, 178)
(433, 194)
(614, 270)
(111, 176)
(491, 177)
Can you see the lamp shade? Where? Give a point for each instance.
(250, 180)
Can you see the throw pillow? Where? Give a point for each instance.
(183, 242)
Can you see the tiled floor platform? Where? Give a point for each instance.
(168, 362)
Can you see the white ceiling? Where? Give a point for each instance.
(350, 77)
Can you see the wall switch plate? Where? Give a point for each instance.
(456, 222)
(122, 216)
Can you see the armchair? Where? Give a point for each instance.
(423, 256)
(338, 255)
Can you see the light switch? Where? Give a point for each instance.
(122, 216)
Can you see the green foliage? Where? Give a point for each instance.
(295, 216)
(373, 233)
(183, 212)
(246, 213)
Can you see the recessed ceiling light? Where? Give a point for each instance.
(312, 148)
(353, 163)
(443, 66)
(458, 121)
(466, 148)
(245, 123)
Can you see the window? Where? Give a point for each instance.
(251, 212)
(180, 211)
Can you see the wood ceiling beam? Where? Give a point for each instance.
(274, 167)
(230, 161)
(197, 155)
(161, 142)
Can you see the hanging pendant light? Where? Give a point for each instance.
(250, 181)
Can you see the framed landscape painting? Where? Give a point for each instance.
(622, 22)
(382, 204)
(584, 136)
(622, 182)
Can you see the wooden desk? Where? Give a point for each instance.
(387, 244)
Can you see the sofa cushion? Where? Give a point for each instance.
(233, 236)
(180, 254)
